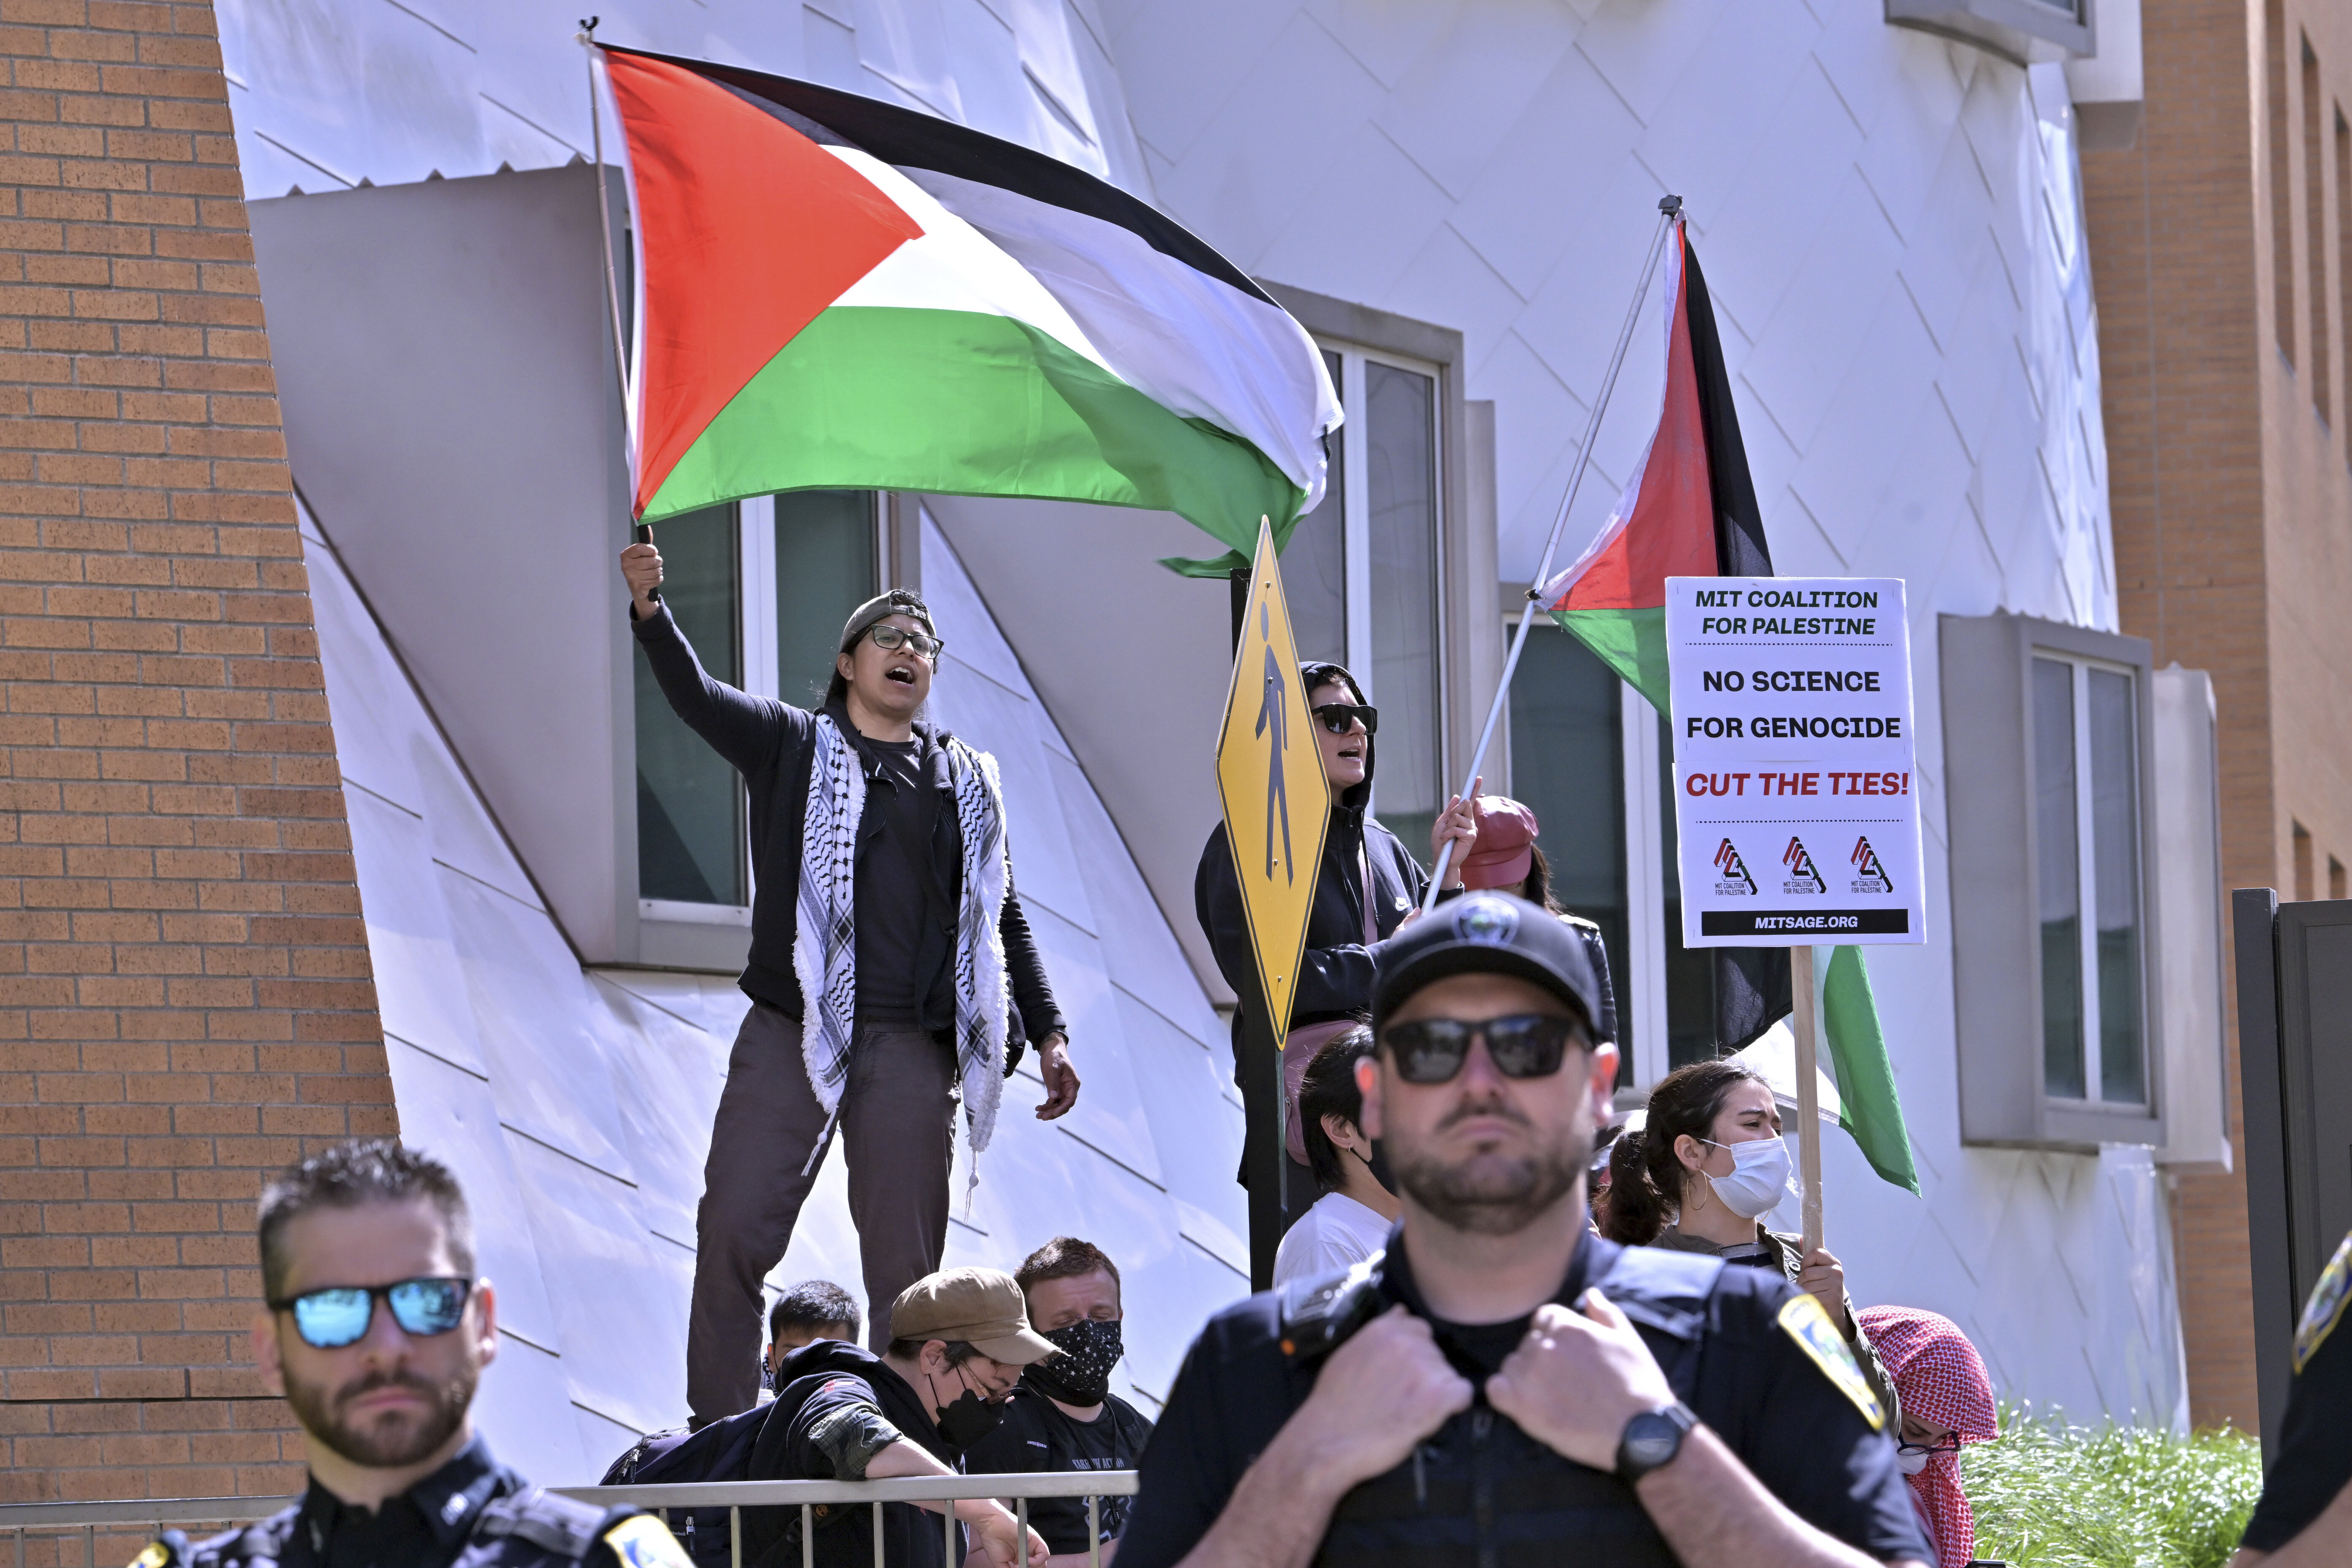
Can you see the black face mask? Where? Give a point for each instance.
(967, 1419)
(1378, 1166)
(1081, 1374)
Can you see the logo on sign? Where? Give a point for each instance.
(1732, 880)
(1802, 877)
(1869, 873)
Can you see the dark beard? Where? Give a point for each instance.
(385, 1445)
(1487, 1195)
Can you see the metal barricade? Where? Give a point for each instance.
(150, 1516)
(736, 1496)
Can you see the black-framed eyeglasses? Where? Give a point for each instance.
(921, 643)
(1930, 1448)
(1526, 1045)
(1341, 716)
(339, 1315)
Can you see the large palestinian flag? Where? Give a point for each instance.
(1690, 508)
(834, 291)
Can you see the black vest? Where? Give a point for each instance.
(1480, 1491)
(526, 1528)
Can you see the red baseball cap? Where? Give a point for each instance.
(1499, 857)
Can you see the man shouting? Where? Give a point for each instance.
(890, 966)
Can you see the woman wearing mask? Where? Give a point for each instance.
(1368, 886)
(1946, 1402)
(1706, 1168)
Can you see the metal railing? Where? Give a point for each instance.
(153, 1515)
(736, 1496)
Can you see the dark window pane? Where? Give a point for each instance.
(1400, 490)
(689, 801)
(824, 569)
(2115, 865)
(1690, 973)
(1568, 765)
(1315, 561)
(2057, 874)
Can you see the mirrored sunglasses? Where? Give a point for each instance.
(1431, 1050)
(919, 644)
(339, 1315)
(1341, 716)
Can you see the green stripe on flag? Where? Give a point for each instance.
(1631, 642)
(962, 403)
(1865, 1079)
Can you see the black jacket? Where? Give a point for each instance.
(1335, 977)
(772, 745)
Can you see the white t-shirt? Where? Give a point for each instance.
(1335, 1232)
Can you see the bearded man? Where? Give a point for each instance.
(1500, 1386)
(376, 1330)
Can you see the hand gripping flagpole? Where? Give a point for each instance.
(1669, 213)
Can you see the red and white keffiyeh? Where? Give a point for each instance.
(1941, 1381)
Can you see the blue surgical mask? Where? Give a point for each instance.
(1760, 1175)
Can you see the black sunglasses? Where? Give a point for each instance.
(339, 1315)
(1431, 1050)
(1341, 716)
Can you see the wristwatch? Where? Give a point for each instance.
(1652, 1439)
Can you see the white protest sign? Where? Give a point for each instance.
(1795, 802)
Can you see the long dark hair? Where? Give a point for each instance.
(1537, 889)
(1646, 1181)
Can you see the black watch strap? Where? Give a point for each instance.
(1652, 1439)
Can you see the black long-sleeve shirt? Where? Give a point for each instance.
(772, 745)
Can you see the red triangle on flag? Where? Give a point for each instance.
(1669, 529)
(747, 230)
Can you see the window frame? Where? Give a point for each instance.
(1990, 776)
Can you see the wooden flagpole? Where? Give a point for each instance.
(1809, 1097)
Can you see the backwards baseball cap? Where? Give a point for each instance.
(881, 608)
(981, 1307)
(1484, 933)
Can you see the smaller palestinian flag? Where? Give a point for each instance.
(837, 292)
(1690, 509)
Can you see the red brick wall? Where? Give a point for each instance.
(2230, 489)
(185, 992)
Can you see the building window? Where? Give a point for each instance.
(2045, 747)
(2086, 797)
(761, 589)
(2314, 219)
(1363, 577)
(2282, 217)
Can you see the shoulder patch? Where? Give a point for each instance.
(157, 1555)
(2325, 1308)
(1809, 1325)
(641, 1541)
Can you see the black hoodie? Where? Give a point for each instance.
(827, 1380)
(1335, 977)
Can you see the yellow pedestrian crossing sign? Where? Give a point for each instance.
(1270, 780)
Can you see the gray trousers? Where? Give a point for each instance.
(898, 1132)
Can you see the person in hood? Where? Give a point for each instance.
(959, 1340)
(905, 996)
(1368, 884)
(1946, 1404)
(1063, 1415)
(1350, 1221)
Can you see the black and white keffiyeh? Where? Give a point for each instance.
(825, 948)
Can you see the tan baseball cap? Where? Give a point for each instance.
(981, 1307)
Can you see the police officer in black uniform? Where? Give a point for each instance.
(1502, 1387)
(2304, 1519)
(376, 1331)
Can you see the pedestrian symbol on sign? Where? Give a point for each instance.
(1273, 714)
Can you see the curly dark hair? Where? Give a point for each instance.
(1645, 1180)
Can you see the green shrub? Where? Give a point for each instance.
(2050, 1494)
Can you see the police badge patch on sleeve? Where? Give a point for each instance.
(645, 1541)
(156, 1555)
(1809, 1325)
(2325, 1308)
